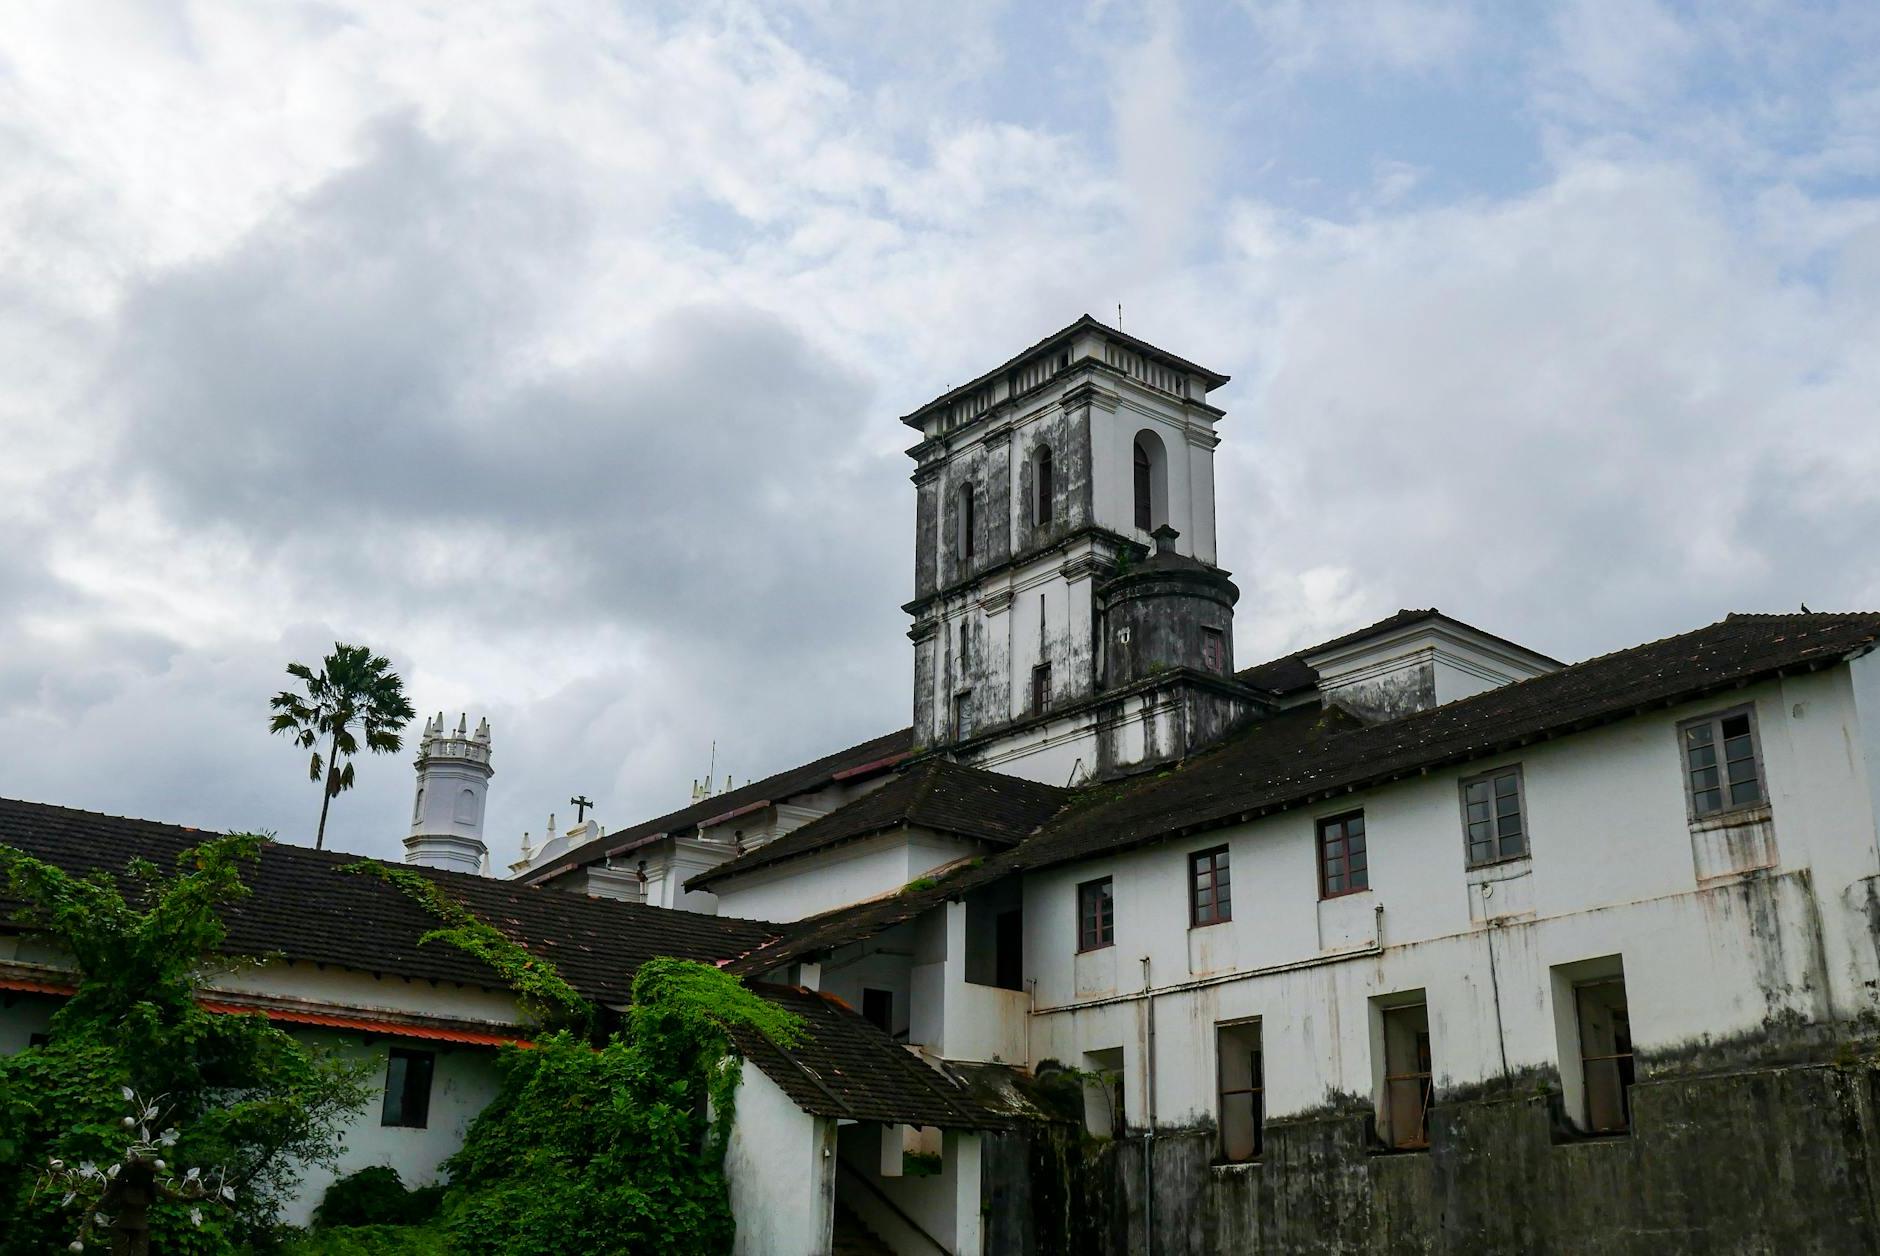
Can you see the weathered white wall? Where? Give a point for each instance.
(462, 1085)
(782, 1168)
(1612, 871)
(944, 1205)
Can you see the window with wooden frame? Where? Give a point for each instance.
(1494, 816)
(1408, 1087)
(1606, 1068)
(962, 714)
(1214, 650)
(1343, 865)
(1240, 1066)
(1041, 688)
(1722, 763)
(1096, 914)
(1209, 900)
(408, 1088)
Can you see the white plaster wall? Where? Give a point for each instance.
(1611, 872)
(844, 874)
(945, 1205)
(781, 1165)
(462, 1084)
(22, 1016)
(346, 988)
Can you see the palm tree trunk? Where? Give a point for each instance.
(326, 793)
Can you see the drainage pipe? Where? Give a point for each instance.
(1148, 1095)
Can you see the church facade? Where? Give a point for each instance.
(1414, 940)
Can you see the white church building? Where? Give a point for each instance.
(1415, 940)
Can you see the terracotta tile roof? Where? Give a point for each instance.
(847, 1068)
(937, 795)
(304, 907)
(1308, 753)
(880, 753)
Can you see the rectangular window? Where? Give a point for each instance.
(1407, 1085)
(408, 1088)
(1041, 688)
(966, 524)
(1242, 1070)
(966, 646)
(1493, 819)
(1605, 1034)
(878, 1009)
(1343, 867)
(1214, 650)
(962, 714)
(1096, 915)
(1723, 771)
(1209, 902)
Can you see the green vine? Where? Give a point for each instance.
(543, 992)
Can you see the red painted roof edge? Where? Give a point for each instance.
(869, 769)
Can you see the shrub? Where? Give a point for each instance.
(375, 1196)
(370, 1240)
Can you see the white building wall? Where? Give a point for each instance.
(1612, 871)
(782, 1169)
(841, 875)
(463, 1081)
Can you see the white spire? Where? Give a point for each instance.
(453, 785)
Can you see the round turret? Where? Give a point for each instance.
(1165, 612)
(453, 780)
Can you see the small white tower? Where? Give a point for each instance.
(453, 780)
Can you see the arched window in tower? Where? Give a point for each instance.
(417, 808)
(1043, 496)
(964, 517)
(466, 812)
(1150, 481)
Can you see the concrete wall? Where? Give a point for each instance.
(782, 1167)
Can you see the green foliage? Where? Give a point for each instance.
(371, 1240)
(354, 688)
(245, 1096)
(616, 1149)
(542, 991)
(376, 1196)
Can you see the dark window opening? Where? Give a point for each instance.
(966, 647)
(38, 1040)
(962, 714)
(1343, 864)
(966, 524)
(1045, 498)
(408, 1088)
(1407, 1076)
(1214, 650)
(1242, 1071)
(878, 1009)
(1723, 771)
(1606, 1066)
(1492, 817)
(1096, 915)
(1209, 901)
(1144, 519)
(1041, 687)
(1008, 966)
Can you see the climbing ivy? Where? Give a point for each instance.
(543, 992)
(242, 1094)
(620, 1148)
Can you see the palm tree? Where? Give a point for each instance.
(355, 688)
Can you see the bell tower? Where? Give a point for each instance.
(1037, 484)
(453, 782)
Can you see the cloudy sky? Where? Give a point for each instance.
(555, 349)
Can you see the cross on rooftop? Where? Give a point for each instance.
(580, 803)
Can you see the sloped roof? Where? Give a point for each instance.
(304, 907)
(1309, 753)
(845, 1067)
(1291, 673)
(938, 795)
(877, 752)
